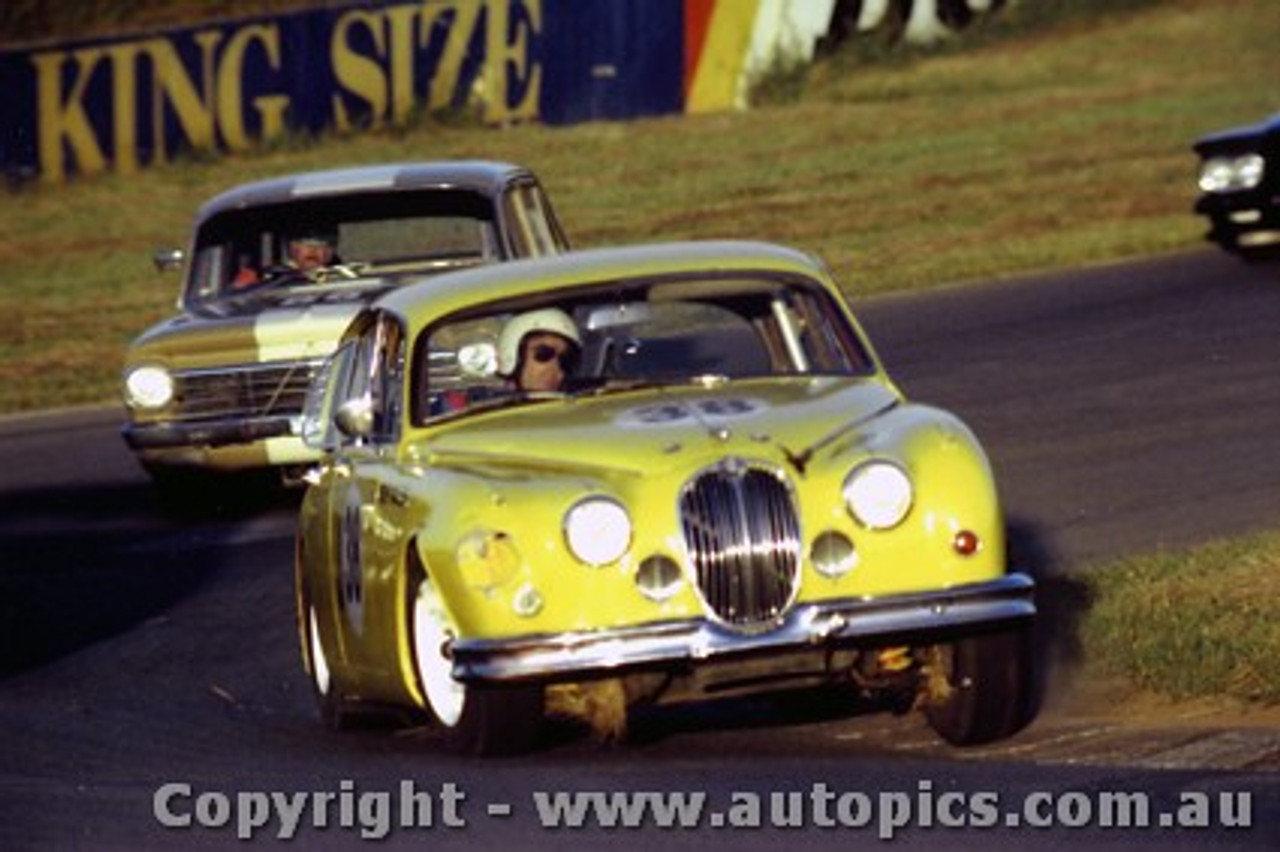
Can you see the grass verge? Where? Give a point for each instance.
(1192, 623)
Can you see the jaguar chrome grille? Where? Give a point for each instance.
(743, 539)
(257, 390)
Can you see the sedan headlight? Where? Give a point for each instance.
(1228, 174)
(597, 530)
(878, 494)
(148, 387)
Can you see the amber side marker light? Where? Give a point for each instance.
(966, 543)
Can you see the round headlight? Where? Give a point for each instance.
(878, 494)
(1226, 174)
(1215, 174)
(148, 387)
(597, 530)
(1249, 170)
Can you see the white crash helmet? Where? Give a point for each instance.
(544, 320)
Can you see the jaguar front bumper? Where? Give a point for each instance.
(919, 618)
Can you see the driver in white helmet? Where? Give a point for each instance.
(538, 350)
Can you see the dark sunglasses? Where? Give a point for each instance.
(545, 353)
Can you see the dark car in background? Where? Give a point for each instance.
(1239, 183)
(220, 386)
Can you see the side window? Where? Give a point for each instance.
(386, 378)
(209, 271)
(830, 345)
(328, 390)
(534, 229)
(362, 383)
(378, 377)
(456, 367)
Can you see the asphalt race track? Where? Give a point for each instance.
(149, 669)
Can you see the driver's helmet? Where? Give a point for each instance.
(318, 234)
(544, 320)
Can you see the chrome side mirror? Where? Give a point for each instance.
(168, 260)
(355, 418)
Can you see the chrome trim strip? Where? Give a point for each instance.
(246, 391)
(919, 617)
(248, 367)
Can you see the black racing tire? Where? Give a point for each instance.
(989, 688)
(478, 719)
(330, 702)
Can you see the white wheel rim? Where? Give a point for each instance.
(319, 663)
(431, 631)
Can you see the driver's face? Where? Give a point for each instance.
(543, 364)
(310, 254)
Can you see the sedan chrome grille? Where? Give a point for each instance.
(256, 390)
(743, 539)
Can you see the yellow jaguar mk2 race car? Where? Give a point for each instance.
(676, 468)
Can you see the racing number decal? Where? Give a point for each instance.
(705, 410)
(351, 568)
(722, 409)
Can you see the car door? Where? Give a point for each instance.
(363, 502)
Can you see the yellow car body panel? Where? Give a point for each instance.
(526, 494)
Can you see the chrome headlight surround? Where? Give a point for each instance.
(1230, 174)
(878, 494)
(148, 386)
(597, 530)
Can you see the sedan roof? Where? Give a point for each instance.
(482, 176)
(459, 290)
(1239, 135)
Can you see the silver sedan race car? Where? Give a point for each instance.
(275, 272)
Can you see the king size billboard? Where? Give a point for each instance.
(129, 102)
